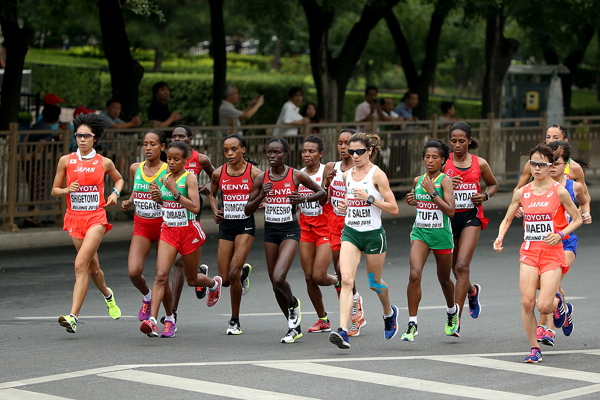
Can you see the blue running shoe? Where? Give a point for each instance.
(391, 324)
(535, 356)
(340, 339)
(559, 314)
(568, 326)
(548, 338)
(474, 306)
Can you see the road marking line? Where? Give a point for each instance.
(396, 381)
(194, 385)
(571, 393)
(59, 377)
(17, 394)
(80, 317)
(521, 368)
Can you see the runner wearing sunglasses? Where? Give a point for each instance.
(368, 193)
(85, 219)
(544, 204)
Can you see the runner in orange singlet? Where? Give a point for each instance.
(85, 219)
(542, 255)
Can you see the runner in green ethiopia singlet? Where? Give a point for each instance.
(174, 214)
(431, 226)
(145, 207)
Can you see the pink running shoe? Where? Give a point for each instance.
(144, 312)
(541, 331)
(214, 295)
(320, 326)
(149, 328)
(169, 330)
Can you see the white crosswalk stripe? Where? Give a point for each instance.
(17, 394)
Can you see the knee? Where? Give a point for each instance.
(462, 267)
(278, 282)
(162, 277)
(308, 277)
(178, 263)
(81, 267)
(545, 308)
(347, 281)
(528, 304)
(374, 285)
(414, 278)
(135, 274)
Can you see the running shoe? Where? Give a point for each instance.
(68, 321)
(214, 295)
(149, 327)
(292, 335)
(246, 282)
(391, 324)
(144, 312)
(567, 328)
(201, 291)
(169, 329)
(320, 326)
(548, 338)
(452, 321)
(474, 305)
(113, 309)
(355, 327)
(340, 339)
(535, 356)
(457, 333)
(357, 309)
(162, 320)
(338, 286)
(541, 331)
(559, 314)
(234, 328)
(294, 316)
(410, 332)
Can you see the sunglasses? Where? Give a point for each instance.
(84, 135)
(359, 152)
(540, 165)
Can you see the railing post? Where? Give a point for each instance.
(9, 223)
(373, 125)
(490, 136)
(232, 126)
(434, 128)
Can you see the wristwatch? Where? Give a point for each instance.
(433, 195)
(487, 196)
(371, 200)
(176, 196)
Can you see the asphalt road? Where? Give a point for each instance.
(109, 359)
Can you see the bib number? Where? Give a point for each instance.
(278, 213)
(429, 219)
(84, 200)
(462, 199)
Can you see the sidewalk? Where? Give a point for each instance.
(123, 230)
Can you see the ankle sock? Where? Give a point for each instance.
(148, 297)
(170, 318)
(356, 296)
(412, 319)
(451, 310)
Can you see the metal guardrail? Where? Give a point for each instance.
(27, 168)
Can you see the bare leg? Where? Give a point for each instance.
(464, 248)
(444, 268)
(138, 252)
(419, 252)
(279, 260)
(375, 266)
(315, 261)
(349, 260)
(178, 279)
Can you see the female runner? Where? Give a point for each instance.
(315, 252)
(542, 258)
(546, 335)
(466, 170)
(181, 233)
(278, 188)
(147, 220)
(85, 219)
(434, 197)
(333, 183)
(368, 193)
(236, 229)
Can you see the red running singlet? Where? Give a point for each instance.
(278, 208)
(236, 192)
(90, 175)
(542, 214)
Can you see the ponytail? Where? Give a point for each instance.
(370, 140)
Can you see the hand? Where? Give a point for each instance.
(331, 174)
(410, 198)
(176, 116)
(125, 204)
(360, 194)
(498, 245)
(73, 187)
(218, 216)
(342, 207)
(428, 185)
(456, 180)
(261, 206)
(155, 192)
(519, 213)
(373, 107)
(552, 239)
(170, 184)
(295, 198)
(266, 188)
(304, 121)
(259, 100)
(586, 217)
(204, 189)
(477, 199)
(112, 200)
(136, 121)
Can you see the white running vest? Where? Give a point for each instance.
(360, 215)
(337, 189)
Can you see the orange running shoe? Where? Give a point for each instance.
(357, 310)
(354, 329)
(320, 326)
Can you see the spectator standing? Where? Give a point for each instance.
(310, 111)
(111, 115)
(228, 112)
(158, 110)
(409, 103)
(446, 120)
(368, 110)
(51, 99)
(290, 114)
(387, 109)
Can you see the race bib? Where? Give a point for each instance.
(86, 198)
(278, 213)
(462, 196)
(234, 206)
(312, 209)
(174, 215)
(145, 207)
(359, 214)
(429, 216)
(537, 227)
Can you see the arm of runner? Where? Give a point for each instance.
(410, 196)
(61, 169)
(257, 195)
(389, 204)
(255, 172)
(328, 175)
(491, 184)
(584, 204)
(524, 178)
(447, 203)
(155, 192)
(578, 175)
(510, 214)
(125, 204)
(110, 169)
(214, 189)
(565, 199)
(305, 180)
(191, 203)
(343, 204)
(207, 167)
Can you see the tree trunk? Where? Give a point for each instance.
(276, 64)
(159, 52)
(219, 54)
(125, 73)
(499, 52)
(16, 41)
